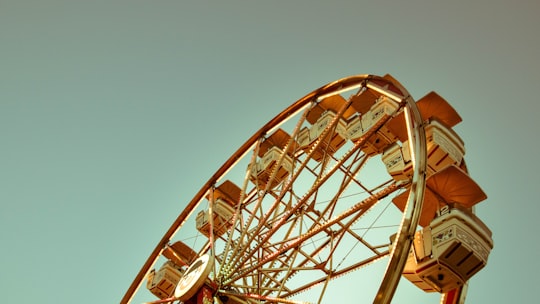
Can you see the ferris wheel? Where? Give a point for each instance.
(356, 185)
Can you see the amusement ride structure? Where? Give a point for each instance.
(354, 184)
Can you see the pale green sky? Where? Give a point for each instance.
(114, 113)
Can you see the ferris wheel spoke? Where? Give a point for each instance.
(237, 217)
(295, 207)
(364, 205)
(336, 274)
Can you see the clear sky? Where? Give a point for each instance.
(114, 113)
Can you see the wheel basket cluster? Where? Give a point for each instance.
(318, 193)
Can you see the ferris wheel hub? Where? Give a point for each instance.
(194, 277)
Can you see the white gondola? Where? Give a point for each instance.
(307, 136)
(320, 119)
(381, 111)
(226, 197)
(270, 151)
(397, 160)
(444, 148)
(222, 216)
(163, 282)
(448, 252)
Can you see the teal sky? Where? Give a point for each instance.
(114, 113)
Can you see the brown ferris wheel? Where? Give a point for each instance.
(356, 184)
